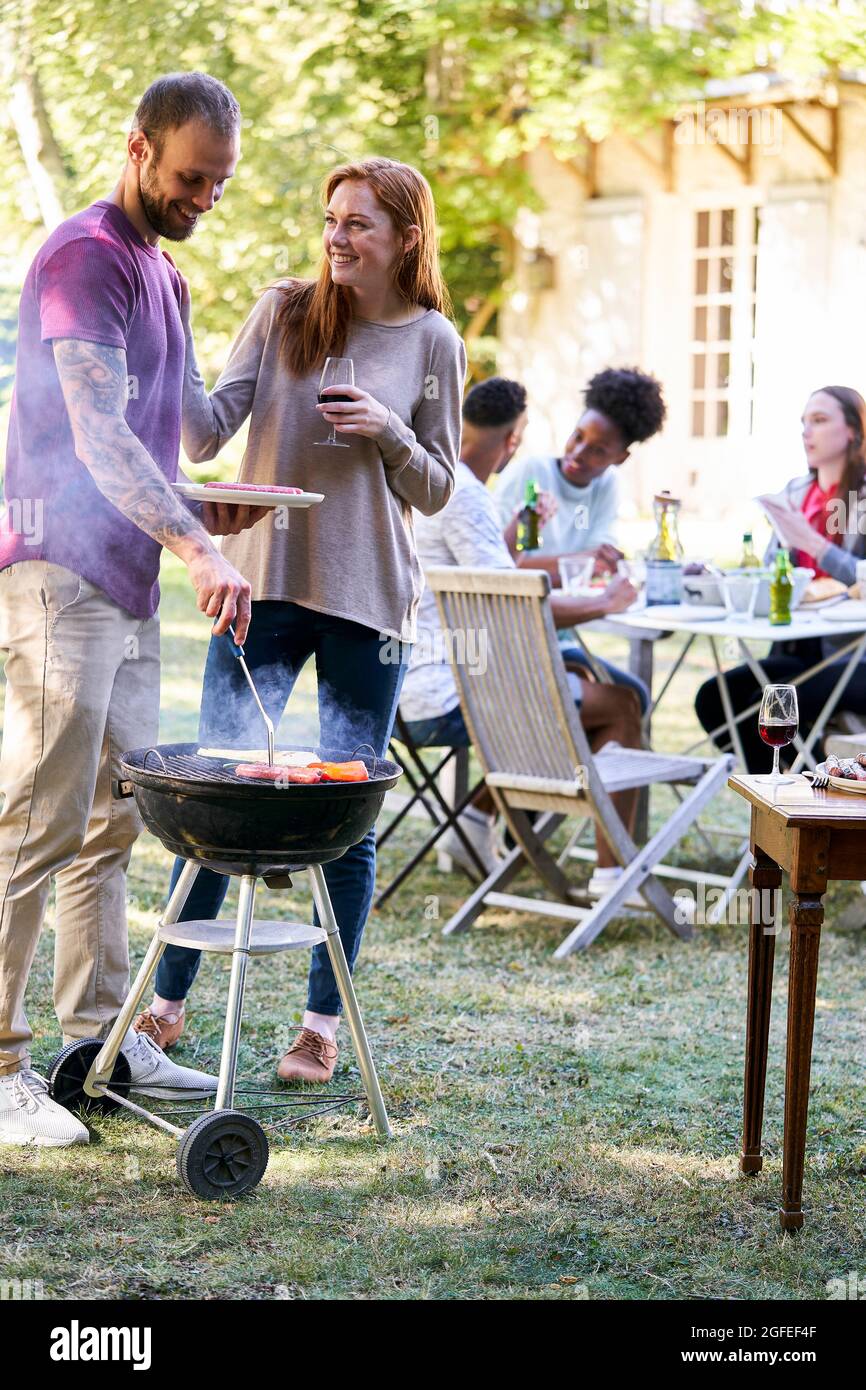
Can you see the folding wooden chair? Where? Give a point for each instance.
(528, 736)
(426, 791)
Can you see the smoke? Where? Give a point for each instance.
(344, 726)
(325, 721)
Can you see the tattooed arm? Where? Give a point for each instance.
(93, 378)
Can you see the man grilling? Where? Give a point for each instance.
(93, 450)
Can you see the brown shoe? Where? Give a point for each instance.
(310, 1058)
(165, 1029)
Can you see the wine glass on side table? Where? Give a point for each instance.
(777, 725)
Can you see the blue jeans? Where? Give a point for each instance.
(617, 676)
(358, 697)
(444, 731)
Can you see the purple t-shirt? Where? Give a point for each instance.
(97, 279)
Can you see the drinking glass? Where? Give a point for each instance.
(633, 570)
(337, 371)
(741, 594)
(777, 725)
(575, 573)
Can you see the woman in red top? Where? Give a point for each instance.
(825, 531)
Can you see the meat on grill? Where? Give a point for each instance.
(257, 487)
(353, 771)
(268, 772)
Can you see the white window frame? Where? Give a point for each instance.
(739, 392)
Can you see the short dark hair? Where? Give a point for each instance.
(493, 402)
(631, 399)
(171, 101)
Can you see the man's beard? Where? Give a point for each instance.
(157, 209)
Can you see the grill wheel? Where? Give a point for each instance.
(222, 1155)
(68, 1072)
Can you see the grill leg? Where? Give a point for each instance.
(103, 1067)
(234, 1007)
(350, 1002)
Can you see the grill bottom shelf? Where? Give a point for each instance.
(267, 937)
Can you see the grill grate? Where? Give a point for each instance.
(193, 768)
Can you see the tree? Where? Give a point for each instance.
(464, 91)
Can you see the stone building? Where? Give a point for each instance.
(724, 250)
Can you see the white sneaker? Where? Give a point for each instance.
(155, 1075)
(28, 1115)
(480, 831)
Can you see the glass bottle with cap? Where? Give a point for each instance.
(664, 558)
(781, 589)
(528, 522)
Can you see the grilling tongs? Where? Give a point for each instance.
(238, 652)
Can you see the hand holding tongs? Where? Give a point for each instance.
(238, 652)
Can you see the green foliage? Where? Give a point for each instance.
(464, 91)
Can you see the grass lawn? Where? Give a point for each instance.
(561, 1131)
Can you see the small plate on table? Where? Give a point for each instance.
(847, 784)
(686, 612)
(248, 496)
(851, 611)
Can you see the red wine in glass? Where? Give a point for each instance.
(337, 371)
(778, 735)
(777, 724)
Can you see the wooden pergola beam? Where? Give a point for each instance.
(829, 153)
(586, 169)
(658, 166)
(669, 148)
(743, 161)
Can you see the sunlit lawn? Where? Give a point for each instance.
(561, 1131)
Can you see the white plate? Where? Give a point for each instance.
(687, 612)
(845, 784)
(851, 611)
(197, 492)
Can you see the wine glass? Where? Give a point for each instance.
(337, 371)
(777, 725)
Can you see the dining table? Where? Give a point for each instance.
(728, 640)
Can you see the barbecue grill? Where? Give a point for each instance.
(202, 811)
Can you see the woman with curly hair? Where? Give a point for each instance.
(622, 407)
(579, 500)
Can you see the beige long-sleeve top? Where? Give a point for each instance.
(354, 555)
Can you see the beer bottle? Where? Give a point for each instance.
(781, 588)
(750, 560)
(528, 522)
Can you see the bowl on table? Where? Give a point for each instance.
(802, 578)
(703, 590)
(707, 590)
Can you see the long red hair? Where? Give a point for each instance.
(314, 315)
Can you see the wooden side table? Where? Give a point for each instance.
(816, 838)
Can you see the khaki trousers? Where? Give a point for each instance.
(82, 686)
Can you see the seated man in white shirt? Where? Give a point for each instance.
(467, 532)
(622, 406)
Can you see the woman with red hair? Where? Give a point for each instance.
(342, 582)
